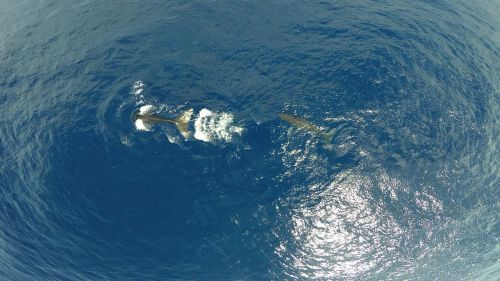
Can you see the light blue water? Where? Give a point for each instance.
(402, 185)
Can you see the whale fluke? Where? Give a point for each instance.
(146, 119)
(182, 122)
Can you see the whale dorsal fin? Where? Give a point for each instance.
(182, 122)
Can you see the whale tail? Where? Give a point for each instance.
(182, 122)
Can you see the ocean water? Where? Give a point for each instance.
(388, 167)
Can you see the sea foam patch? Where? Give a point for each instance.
(146, 109)
(140, 125)
(137, 89)
(213, 126)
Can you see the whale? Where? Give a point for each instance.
(146, 119)
(304, 124)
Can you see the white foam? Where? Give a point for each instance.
(146, 109)
(137, 88)
(141, 125)
(173, 139)
(125, 140)
(212, 126)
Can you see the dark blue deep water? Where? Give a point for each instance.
(385, 167)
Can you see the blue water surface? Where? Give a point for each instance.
(400, 181)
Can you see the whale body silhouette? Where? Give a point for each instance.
(180, 122)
